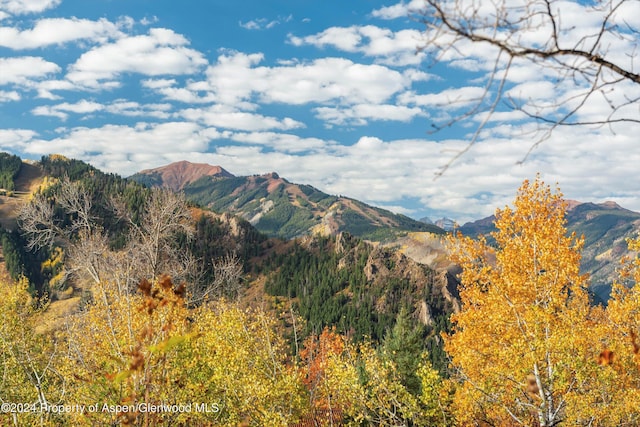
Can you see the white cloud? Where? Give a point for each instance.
(161, 52)
(16, 140)
(236, 77)
(452, 98)
(534, 90)
(6, 96)
(135, 109)
(143, 138)
(117, 107)
(362, 114)
(47, 87)
(264, 23)
(392, 48)
(224, 117)
(24, 70)
(20, 7)
(193, 93)
(399, 10)
(251, 25)
(283, 143)
(57, 31)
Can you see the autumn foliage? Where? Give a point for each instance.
(528, 348)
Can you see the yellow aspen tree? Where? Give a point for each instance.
(122, 352)
(30, 384)
(239, 366)
(212, 365)
(524, 346)
(621, 349)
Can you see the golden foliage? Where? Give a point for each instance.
(524, 345)
(29, 382)
(223, 364)
(359, 386)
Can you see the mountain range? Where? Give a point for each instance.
(280, 208)
(333, 260)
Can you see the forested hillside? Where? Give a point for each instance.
(278, 207)
(130, 305)
(91, 245)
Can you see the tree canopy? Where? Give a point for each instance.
(528, 348)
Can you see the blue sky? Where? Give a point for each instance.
(328, 93)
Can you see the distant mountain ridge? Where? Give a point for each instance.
(179, 174)
(278, 207)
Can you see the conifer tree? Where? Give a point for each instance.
(403, 345)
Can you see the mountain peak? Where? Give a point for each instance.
(611, 205)
(179, 174)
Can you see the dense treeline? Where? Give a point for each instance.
(9, 168)
(102, 187)
(23, 263)
(330, 288)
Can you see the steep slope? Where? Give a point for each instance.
(28, 179)
(283, 209)
(606, 228)
(360, 288)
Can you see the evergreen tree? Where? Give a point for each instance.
(403, 345)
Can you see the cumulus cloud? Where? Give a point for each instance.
(362, 114)
(6, 96)
(25, 70)
(224, 117)
(399, 10)
(16, 140)
(57, 31)
(161, 52)
(119, 107)
(20, 7)
(170, 89)
(147, 138)
(282, 143)
(452, 98)
(392, 48)
(236, 77)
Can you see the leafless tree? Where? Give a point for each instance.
(152, 245)
(165, 216)
(39, 223)
(228, 272)
(587, 49)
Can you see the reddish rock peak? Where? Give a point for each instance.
(177, 175)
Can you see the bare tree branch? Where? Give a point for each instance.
(589, 47)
